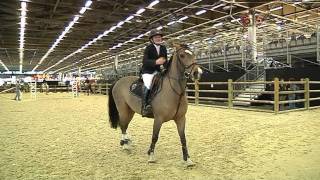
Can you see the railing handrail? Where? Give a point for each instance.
(277, 93)
(311, 62)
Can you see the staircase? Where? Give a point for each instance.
(256, 73)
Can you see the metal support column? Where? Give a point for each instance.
(79, 72)
(137, 68)
(252, 36)
(209, 51)
(225, 62)
(318, 44)
(264, 49)
(243, 59)
(116, 61)
(288, 48)
(115, 66)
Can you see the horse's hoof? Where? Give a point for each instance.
(189, 163)
(125, 141)
(126, 147)
(152, 158)
(121, 142)
(129, 141)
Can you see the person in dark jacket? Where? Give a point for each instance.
(18, 91)
(88, 86)
(155, 55)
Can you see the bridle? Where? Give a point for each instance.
(185, 67)
(184, 74)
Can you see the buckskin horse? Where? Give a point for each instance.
(170, 103)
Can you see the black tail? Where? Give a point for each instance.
(113, 111)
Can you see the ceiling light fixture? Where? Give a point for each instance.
(23, 23)
(303, 16)
(218, 24)
(140, 11)
(153, 3)
(62, 35)
(215, 7)
(4, 66)
(170, 23)
(277, 8)
(183, 18)
(234, 20)
(200, 12)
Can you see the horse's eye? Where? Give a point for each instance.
(182, 56)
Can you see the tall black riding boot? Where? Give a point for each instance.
(146, 107)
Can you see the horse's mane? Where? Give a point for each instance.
(182, 46)
(185, 46)
(168, 65)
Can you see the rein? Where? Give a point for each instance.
(185, 75)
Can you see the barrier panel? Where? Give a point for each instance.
(295, 94)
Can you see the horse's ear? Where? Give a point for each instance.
(175, 44)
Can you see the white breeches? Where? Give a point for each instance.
(147, 79)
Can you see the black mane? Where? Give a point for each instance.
(185, 46)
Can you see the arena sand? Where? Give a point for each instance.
(57, 137)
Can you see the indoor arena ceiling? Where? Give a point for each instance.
(61, 35)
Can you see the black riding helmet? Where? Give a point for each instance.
(154, 32)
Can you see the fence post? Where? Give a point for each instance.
(196, 92)
(307, 93)
(230, 93)
(107, 89)
(276, 95)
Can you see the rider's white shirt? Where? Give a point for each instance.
(157, 48)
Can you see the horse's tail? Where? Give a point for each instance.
(113, 111)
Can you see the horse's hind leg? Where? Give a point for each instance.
(125, 116)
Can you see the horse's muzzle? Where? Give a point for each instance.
(196, 74)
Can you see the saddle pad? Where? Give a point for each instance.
(136, 88)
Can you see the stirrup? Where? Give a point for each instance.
(147, 111)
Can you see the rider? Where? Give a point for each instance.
(155, 55)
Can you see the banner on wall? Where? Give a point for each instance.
(40, 76)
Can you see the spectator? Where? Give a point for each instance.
(282, 97)
(292, 96)
(18, 91)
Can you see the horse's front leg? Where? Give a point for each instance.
(156, 129)
(181, 127)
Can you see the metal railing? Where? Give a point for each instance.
(274, 104)
(97, 89)
(254, 74)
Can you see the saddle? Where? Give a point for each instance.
(136, 88)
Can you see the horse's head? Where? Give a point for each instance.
(187, 60)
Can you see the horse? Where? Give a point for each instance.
(88, 87)
(170, 103)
